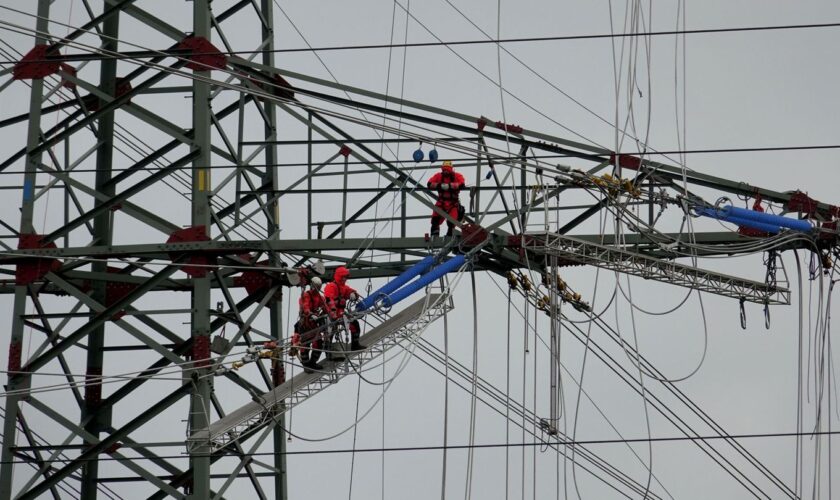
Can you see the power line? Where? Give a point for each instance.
(187, 52)
(562, 442)
(470, 159)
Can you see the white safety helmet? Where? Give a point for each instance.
(315, 283)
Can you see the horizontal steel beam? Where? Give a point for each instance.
(162, 250)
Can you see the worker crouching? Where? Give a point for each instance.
(336, 294)
(448, 184)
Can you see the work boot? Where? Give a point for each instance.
(356, 346)
(311, 367)
(435, 232)
(312, 363)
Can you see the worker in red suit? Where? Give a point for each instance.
(337, 293)
(311, 316)
(448, 184)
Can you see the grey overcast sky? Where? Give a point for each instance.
(751, 89)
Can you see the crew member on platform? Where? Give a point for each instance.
(312, 312)
(448, 184)
(337, 293)
(311, 316)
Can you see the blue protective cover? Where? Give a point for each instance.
(765, 218)
(406, 276)
(450, 265)
(721, 215)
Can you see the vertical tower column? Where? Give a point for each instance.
(103, 235)
(199, 416)
(273, 232)
(21, 381)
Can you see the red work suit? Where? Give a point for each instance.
(447, 198)
(336, 294)
(310, 302)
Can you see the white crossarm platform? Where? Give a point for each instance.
(652, 268)
(403, 326)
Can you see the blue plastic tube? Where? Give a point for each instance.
(406, 276)
(408, 290)
(765, 218)
(759, 226)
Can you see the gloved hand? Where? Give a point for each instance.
(313, 317)
(354, 296)
(455, 185)
(444, 186)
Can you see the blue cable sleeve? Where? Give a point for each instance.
(759, 226)
(406, 276)
(450, 265)
(765, 218)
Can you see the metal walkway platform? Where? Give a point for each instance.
(666, 271)
(403, 326)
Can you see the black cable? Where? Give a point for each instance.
(472, 159)
(699, 412)
(562, 442)
(186, 52)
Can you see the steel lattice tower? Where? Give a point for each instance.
(121, 257)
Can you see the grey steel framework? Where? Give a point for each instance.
(113, 265)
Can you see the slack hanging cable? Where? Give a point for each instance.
(507, 398)
(470, 453)
(534, 423)
(602, 223)
(445, 401)
(797, 484)
(355, 432)
(524, 394)
(644, 397)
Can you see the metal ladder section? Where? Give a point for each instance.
(652, 268)
(403, 326)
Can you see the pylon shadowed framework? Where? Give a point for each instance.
(161, 245)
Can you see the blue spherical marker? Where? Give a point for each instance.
(418, 155)
(433, 155)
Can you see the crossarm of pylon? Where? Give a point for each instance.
(652, 268)
(248, 419)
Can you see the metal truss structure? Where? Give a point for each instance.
(652, 268)
(404, 326)
(162, 242)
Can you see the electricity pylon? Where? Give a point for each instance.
(166, 155)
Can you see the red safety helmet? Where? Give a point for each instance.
(341, 275)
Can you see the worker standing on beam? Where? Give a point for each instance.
(448, 184)
(312, 316)
(337, 293)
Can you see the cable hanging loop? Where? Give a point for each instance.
(766, 315)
